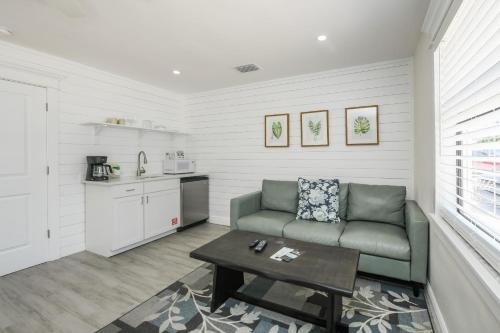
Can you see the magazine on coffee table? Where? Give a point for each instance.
(285, 254)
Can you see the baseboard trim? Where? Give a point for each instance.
(218, 220)
(435, 314)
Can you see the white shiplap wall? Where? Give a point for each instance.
(227, 126)
(87, 94)
(226, 129)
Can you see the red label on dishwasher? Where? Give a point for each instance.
(174, 221)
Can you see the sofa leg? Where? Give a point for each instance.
(416, 290)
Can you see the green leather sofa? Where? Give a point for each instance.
(391, 233)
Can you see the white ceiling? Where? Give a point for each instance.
(147, 39)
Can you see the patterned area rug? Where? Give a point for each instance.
(184, 307)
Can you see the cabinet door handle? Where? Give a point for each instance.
(142, 200)
(130, 189)
(147, 199)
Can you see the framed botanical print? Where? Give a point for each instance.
(277, 130)
(361, 125)
(314, 128)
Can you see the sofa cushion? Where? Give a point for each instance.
(280, 195)
(378, 203)
(314, 232)
(343, 192)
(397, 269)
(269, 222)
(378, 239)
(319, 200)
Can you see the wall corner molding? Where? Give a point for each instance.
(435, 15)
(29, 75)
(438, 17)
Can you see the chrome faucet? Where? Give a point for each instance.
(140, 168)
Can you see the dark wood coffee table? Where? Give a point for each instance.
(329, 269)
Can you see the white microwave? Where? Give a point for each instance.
(173, 166)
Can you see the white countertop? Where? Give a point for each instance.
(146, 178)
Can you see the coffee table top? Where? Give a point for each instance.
(319, 267)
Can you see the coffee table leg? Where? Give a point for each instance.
(226, 282)
(334, 312)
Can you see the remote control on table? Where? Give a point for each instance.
(262, 244)
(253, 243)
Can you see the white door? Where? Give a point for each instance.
(161, 212)
(23, 178)
(128, 225)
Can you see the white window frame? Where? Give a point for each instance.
(483, 243)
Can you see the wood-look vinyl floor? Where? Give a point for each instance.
(84, 292)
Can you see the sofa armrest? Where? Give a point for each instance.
(417, 229)
(244, 205)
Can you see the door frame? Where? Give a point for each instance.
(51, 82)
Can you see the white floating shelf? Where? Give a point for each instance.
(99, 126)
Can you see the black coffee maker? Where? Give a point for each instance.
(97, 169)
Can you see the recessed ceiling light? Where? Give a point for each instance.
(5, 31)
(176, 72)
(322, 38)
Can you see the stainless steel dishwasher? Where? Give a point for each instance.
(194, 200)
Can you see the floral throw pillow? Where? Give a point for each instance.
(319, 200)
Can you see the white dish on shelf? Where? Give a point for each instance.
(99, 126)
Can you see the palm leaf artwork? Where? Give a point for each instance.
(361, 125)
(315, 128)
(277, 129)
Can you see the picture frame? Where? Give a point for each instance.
(315, 128)
(277, 130)
(362, 125)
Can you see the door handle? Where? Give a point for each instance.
(147, 199)
(142, 200)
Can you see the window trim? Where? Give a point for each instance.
(465, 228)
(480, 270)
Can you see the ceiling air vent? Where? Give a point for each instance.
(247, 68)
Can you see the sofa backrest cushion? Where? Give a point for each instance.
(280, 195)
(343, 192)
(378, 203)
(286, 193)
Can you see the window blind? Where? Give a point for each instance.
(468, 175)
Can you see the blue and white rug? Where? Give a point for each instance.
(375, 307)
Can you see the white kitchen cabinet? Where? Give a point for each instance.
(161, 212)
(128, 221)
(123, 216)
